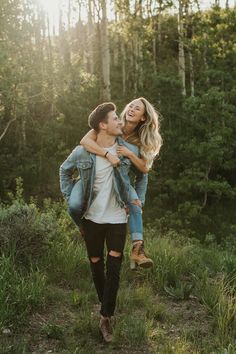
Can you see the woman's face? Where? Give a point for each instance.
(135, 111)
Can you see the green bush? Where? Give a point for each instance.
(26, 231)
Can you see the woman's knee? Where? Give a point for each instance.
(136, 202)
(135, 206)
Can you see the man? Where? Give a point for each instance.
(102, 193)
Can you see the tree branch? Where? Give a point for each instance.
(7, 126)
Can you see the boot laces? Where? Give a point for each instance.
(106, 325)
(141, 249)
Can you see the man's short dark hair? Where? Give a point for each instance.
(99, 114)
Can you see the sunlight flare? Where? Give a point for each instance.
(51, 6)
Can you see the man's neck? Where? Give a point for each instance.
(105, 140)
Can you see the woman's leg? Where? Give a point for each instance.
(138, 256)
(135, 220)
(75, 204)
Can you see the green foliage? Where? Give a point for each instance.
(52, 330)
(19, 293)
(26, 231)
(133, 329)
(66, 261)
(219, 296)
(171, 263)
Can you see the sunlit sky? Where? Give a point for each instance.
(204, 4)
(52, 8)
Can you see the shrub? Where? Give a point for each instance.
(25, 231)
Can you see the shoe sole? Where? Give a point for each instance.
(134, 265)
(145, 265)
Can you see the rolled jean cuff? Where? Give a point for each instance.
(136, 236)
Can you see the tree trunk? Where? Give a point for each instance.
(191, 73)
(205, 61)
(208, 170)
(51, 76)
(90, 38)
(189, 34)
(140, 59)
(123, 53)
(181, 49)
(116, 43)
(65, 52)
(159, 27)
(23, 131)
(105, 52)
(69, 32)
(154, 49)
(136, 64)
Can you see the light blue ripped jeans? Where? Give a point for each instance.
(135, 221)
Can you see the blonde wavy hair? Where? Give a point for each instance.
(146, 135)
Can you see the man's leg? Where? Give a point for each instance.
(94, 237)
(115, 241)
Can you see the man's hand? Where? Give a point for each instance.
(122, 150)
(114, 160)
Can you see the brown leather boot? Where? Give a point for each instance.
(139, 258)
(106, 329)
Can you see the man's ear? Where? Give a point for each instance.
(102, 125)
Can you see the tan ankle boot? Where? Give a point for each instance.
(139, 258)
(106, 329)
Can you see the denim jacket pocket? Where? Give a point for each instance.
(84, 168)
(125, 165)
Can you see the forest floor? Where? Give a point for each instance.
(68, 323)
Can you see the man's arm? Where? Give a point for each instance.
(66, 171)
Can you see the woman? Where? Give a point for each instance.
(141, 127)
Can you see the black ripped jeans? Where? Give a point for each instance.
(95, 236)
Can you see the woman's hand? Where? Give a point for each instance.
(122, 150)
(114, 160)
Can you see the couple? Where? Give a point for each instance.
(100, 201)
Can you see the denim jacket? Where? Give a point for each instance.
(79, 194)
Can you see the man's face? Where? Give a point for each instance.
(114, 125)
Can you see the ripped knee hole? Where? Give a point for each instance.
(115, 254)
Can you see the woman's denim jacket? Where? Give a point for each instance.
(80, 192)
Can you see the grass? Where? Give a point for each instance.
(20, 293)
(185, 304)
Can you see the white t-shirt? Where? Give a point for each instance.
(105, 208)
